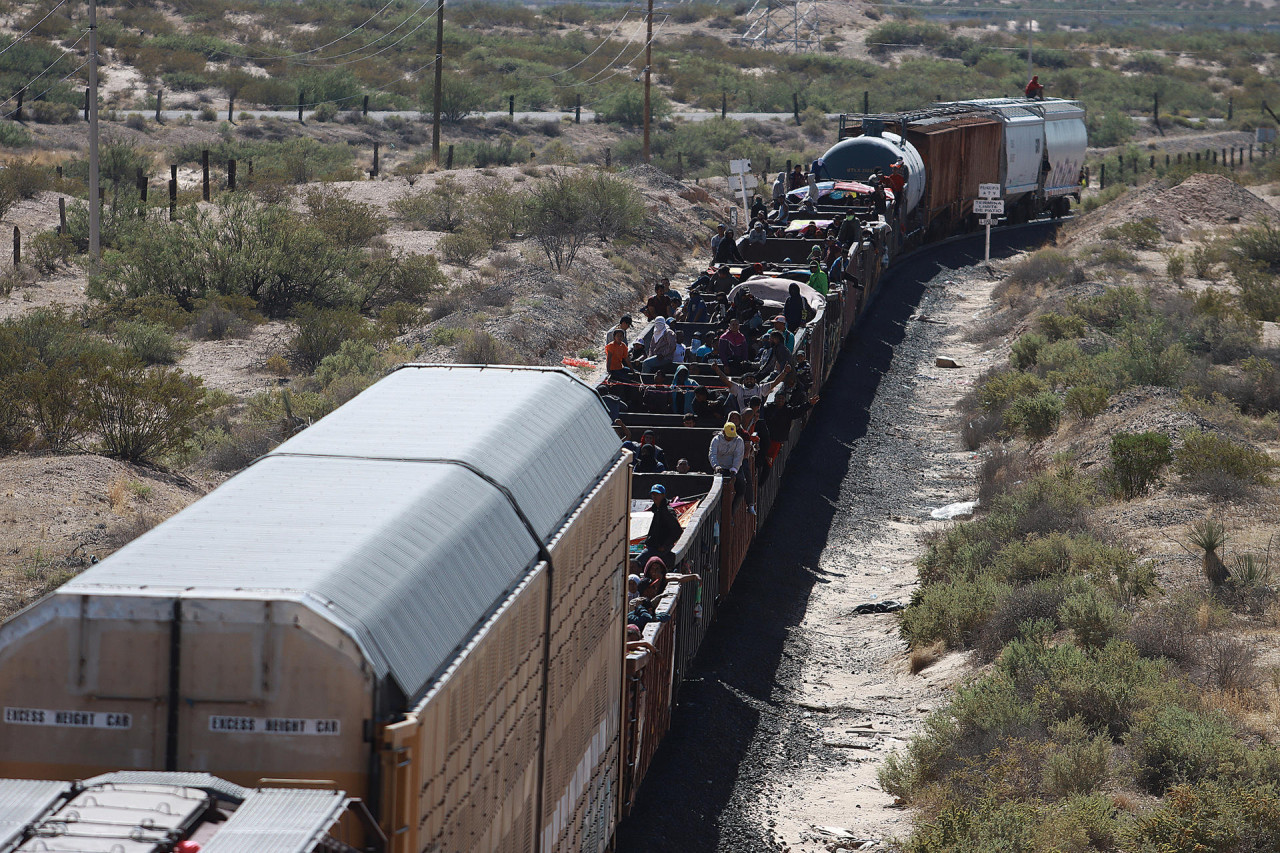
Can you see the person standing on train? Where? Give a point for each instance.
(758, 208)
(818, 170)
(664, 531)
(1035, 90)
(818, 279)
(796, 179)
(617, 363)
(659, 305)
(897, 178)
(732, 348)
(795, 309)
(725, 454)
(780, 187)
(716, 239)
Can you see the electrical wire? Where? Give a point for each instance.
(51, 87)
(47, 69)
(621, 21)
(412, 15)
(34, 27)
(598, 76)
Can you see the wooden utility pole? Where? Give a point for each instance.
(95, 196)
(648, 60)
(435, 107)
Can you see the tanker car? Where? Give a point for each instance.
(421, 599)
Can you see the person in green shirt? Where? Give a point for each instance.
(818, 279)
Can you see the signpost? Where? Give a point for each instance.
(741, 180)
(991, 205)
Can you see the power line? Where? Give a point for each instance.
(74, 71)
(600, 46)
(14, 43)
(594, 78)
(424, 22)
(1014, 12)
(47, 69)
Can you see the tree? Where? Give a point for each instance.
(459, 98)
(142, 412)
(556, 219)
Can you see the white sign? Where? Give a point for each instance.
(274, 726)
(988, 191)
(67, 719)
(739, 166)
(736, 182)
(987, 220)
(989, 205)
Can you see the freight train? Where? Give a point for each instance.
(421, 599)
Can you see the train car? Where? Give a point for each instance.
(417, 600)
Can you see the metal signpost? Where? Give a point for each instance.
(741, 180)
(990, 204)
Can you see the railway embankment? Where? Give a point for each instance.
(1088, 663)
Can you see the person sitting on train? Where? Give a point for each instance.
(818, 279)
(732, 348)
(728, 251)
(739, 393)
(659, 305)
(835, 271)
(779, 324)
(781, 214)
(656, 398)
(758, 208)
(664, 531)
(726, 455)
(683, 467)
(809, 231)
(758, 236)
(796, 309)
(617, 361)
(723, 281)
(1034, 90)
(799, 379)
(624, 325)
(779, 187)
(795, 180)
(707, 409)
(756, 269)
(682, 386)
(775, 358)
(830, 250)
(695, 310)
(647, 460)
(662, 347)
(656, 576)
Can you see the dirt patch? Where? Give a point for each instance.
(58, 513)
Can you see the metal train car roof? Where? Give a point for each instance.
(404, 517)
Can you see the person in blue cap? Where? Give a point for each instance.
(664, 531)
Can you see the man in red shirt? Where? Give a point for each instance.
(659, 305)
(1034, 90)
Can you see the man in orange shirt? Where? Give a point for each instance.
(616, 354)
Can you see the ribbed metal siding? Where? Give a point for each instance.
(22, 802)
(276, 820)
(541, 433)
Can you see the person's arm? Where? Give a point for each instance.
(712, 454)
(675, 576)
(739, 450)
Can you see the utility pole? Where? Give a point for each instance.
(435, 110)
(1029, 35)
(95, 200)
(648, 59)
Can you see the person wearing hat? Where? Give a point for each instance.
(758, 209)
(725, 454)
(818, 279)
(781, 214)
(727, 251)
(779, 323)
(664, 531)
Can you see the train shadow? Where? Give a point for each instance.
(733, 699)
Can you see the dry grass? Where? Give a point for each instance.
(922, 658)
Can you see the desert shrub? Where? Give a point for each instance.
(1203, 261)
(1207, 455)
(1175, 265)
(394, 277)
(626, 106)
(979, 427)
(1036, 416)
(1039, 601)
(150, 343)
(1138, 460)
(232, 447)
(1163, 632)
(459, 97)
(466, 246)
(1176, 745)
(49, 252)
(1259, 244)
(1259, 292)
(50, 400)
(140, 413)
(353, 358)
(1047, 267)
(320, 332)
(1091, 618)
(1085, 401)
(53, 112)
(497, 208)
(556, 218)
(13, 135)
(222, 316)
(612, 207)
(1078, 762)
(480, 347)
(484, 154)
(1141, 233)
(399, 317)
(952, 612)
(350, 224)
(1026, 350)
(998, 390)
(439, 208)
(25, 178)
(1109, 128)
(1113, 308)
(1000, 473)
(1216, 815)
(1058, 327)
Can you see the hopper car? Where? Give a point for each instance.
(420, 600)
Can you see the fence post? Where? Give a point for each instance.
(365, 108)
(679, 166)
(795, 107)
(724, 105)
(1102, 176)
(204, 164)
(62, 216)
(608, 158)
(173, 193)
(17, 246)
(59, 172)
(768, 165)
(448, 159)
(18, 112)
(250, 164)
(373, 173)
(159, 100)
(1231, 106)
(231, 175)
(142, 192)
(231, 110)
(1166, 158)
(1197, 156)
(1250, 152)
(1153, 161)
(577, 111)
(300, 94)
(866, 102)
(511, 106)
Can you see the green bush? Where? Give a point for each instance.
(998, 390)
(1058, 327)
(1209, 816)
(612, 208)
(1205, 454)
(1141, 233)
(479, 347)
(1113, 308)
(1203, 261)
(1026, 350)
(1138, 460)
(349, 224)
(1036, 417)
(140, 413)
(440, 208)
(14, 135)
(1091, 618)
(1086, 401)
(1078, 762)
(626, 106)
(1048, 267)
(953, 612)
(1259, 244)
(49, 252)
(354, 357)
(150, 343)
(1176, 745)
(1259, 292)
(466, 246)
(1176, 265)
(320, 332)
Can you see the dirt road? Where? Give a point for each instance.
(794, 700)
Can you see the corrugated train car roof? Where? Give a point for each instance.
(22, 802)
(366, 518)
